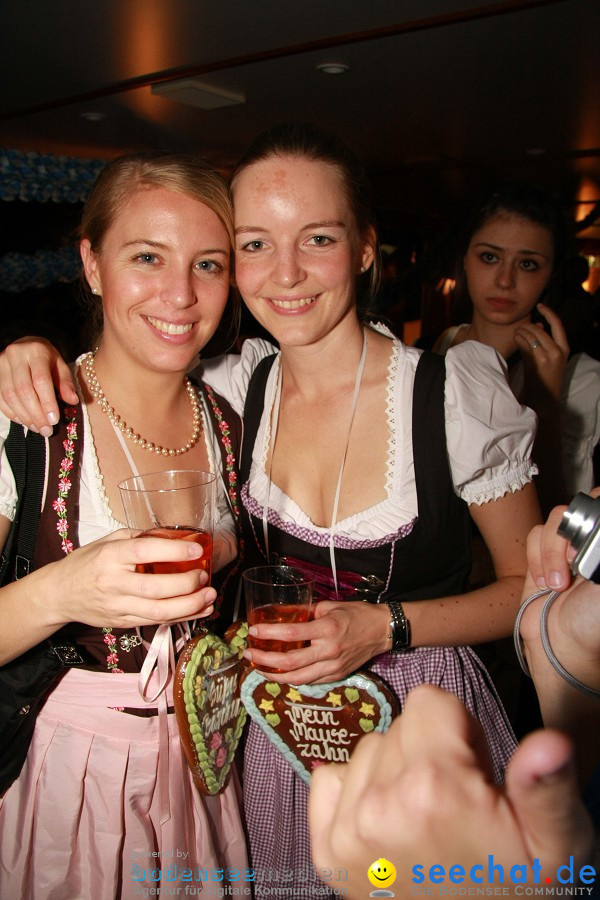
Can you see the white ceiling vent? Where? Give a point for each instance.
(197, 93)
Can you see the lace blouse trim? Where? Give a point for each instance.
(319, 537)
(496, 488)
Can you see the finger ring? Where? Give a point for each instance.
(534, 345)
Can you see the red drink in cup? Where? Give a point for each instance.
(177, 505)
(275, 615)
(177, 533)
(276, 595)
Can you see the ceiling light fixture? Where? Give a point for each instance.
(196, 93)
(333, 68)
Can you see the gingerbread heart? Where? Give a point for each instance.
(207, 704)
(319, 723)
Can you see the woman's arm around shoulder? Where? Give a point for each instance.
(30, 368)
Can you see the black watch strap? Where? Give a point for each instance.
(399, 627)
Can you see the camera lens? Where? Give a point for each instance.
(580, 519)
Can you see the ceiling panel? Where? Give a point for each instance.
(439, 97)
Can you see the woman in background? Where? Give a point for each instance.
(513, 248)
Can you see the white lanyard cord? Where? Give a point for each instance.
(275, 405)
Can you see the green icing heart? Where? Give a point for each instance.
(366, 724)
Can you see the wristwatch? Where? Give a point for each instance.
(399, 627)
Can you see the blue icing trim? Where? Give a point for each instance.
(317, 691)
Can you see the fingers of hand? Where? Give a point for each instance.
(342, 639)
(320, 661)
(531, 345)
(284, 631)
(360, 804)
(113, 591)
(458, 731)
(408, 771)
(540, 347)
(553, 553)
(291, 664)
(20, 402)
(151, 599)
(325, 791)
(559, 334)
(542, 786)
(65, 384)
(149, 549)
(27, 384)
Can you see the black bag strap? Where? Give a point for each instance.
(27, 459)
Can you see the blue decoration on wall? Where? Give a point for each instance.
(20, 271)
(41, 177)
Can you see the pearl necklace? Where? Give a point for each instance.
(98, 394)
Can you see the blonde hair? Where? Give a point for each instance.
(127, 174)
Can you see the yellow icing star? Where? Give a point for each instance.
(367, 709)
(294, 695)
(267, 705)
(334, 699)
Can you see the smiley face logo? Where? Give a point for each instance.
(382, 873)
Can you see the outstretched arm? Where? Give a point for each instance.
(574, 634)
(403, 794)
(30, 369)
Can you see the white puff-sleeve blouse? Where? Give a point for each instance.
(489, 434)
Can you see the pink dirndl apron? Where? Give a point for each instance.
(85, 818)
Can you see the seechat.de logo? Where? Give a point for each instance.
(492, 873)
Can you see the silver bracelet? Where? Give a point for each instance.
(574, 682)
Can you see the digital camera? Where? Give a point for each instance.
(580, 525)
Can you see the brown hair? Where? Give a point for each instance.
(125, 175)
(309, 142)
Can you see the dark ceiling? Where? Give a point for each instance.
(440, 96)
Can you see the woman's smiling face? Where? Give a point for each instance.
(163, 273)
(508, 264)
(298, 250)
